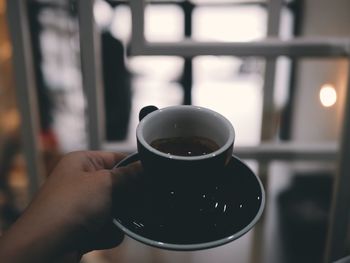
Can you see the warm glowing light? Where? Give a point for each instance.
(328, 95)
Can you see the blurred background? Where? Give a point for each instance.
(282, 100)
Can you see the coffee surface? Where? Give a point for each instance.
(185, 146)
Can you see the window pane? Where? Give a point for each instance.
(229, 23)
(121, 23)
(59, 52)
(154, 82)
(156, 67)
(103, 13)
(164, 23)
(286, 24)
(233, 87)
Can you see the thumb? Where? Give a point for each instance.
(127, 186)
(126, 175)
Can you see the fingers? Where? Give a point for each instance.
(91, 160)
(105, 160)
(128, 186)
(127, 174)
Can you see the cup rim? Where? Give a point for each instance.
(227, 145)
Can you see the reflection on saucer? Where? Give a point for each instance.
(194, 219)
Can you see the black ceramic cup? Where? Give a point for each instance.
(184, 173)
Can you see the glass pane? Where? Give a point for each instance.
(121, 23)
(143, 80)
(103, 13)
(156, 67)
(58, 42)
(229, 23)
(286, 24)
(283, 64)
(154, 82)
(282, 82)
(233, 87)
(164, 23)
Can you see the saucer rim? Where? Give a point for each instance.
(196, 246)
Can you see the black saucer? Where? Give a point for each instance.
(212, 217)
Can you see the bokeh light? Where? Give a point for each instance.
(328, 95)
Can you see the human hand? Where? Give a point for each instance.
(73, 209)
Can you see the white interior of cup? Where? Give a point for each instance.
(185, 121)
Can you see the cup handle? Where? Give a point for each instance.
(146, 110)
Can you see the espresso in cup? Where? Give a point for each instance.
(185, 146)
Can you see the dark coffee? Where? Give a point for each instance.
(185, 146)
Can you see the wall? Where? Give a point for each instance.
(312, 121)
